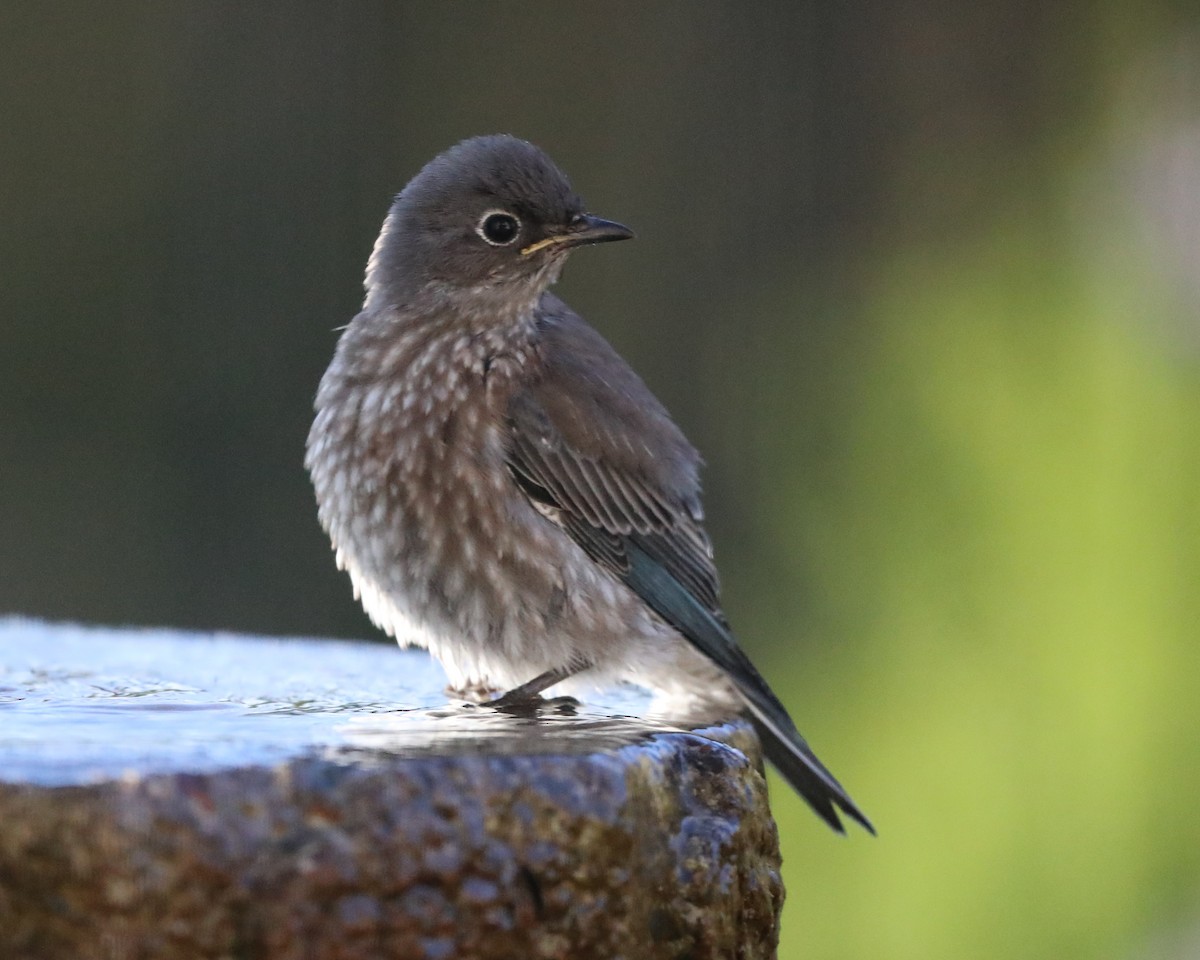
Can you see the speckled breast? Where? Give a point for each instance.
(407, 455)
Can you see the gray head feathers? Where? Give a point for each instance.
(468, 219)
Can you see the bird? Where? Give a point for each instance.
(501, 487)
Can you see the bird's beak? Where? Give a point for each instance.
(586, 229)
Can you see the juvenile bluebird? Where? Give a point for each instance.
(501, 487)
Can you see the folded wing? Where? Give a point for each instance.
(599, 455)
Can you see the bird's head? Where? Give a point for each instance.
(491, 218)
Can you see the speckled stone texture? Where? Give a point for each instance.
(562, 841)
(664, 849)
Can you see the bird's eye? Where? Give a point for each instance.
(499, 229)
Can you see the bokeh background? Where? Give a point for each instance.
(921, 279)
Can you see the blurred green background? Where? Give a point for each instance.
(922, 280)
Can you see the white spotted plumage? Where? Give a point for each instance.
(443, 550)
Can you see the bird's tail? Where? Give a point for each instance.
(799, 766)
(709, 633)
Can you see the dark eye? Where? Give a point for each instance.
(499, 229)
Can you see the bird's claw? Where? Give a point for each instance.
(523, 705)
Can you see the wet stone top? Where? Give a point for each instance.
(83, 704)
(170, 794)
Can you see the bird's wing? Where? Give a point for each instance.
(596, 450)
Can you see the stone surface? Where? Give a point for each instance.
(195, 796)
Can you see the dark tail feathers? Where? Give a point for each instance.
(798, 765)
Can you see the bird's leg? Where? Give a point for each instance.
(528, 697)
(531, 688)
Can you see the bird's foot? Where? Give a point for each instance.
(519, 703)
(474, 692)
